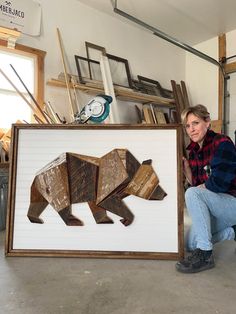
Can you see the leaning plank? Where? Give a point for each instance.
(185, 95)
(180, 98)
(177, 102)
(72, 107)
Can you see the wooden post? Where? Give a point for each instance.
(222, 56)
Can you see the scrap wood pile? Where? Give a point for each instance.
(5, 143)
(156, 113)
(5, 137)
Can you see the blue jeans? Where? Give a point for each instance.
(212, 214)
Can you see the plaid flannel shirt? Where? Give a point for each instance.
(214, 163)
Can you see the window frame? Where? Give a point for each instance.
(39, 56)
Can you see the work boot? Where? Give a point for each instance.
(199, 260)
(234, 227)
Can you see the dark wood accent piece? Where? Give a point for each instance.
(99, 213)
(177, 101)
(185, 94)
(68, 218)
(82, 175)
(180, 97)
(115, 205)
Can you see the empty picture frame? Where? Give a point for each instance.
(145, 235)
(119, 67)
(87, 68)
(96, 52)
(154, 87)
(120, 71)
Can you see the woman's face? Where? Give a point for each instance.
(196, 128)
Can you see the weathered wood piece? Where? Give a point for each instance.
(102, 182)
(185, 95)
(177, 102)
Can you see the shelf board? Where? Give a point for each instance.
(121, 93)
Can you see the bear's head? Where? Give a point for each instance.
(145, 183)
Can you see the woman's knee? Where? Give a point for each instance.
(192, 192)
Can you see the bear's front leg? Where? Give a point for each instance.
(35, 210)
(99, 214)
(116, 206)
(68, 218)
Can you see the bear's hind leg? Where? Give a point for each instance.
(37, 205)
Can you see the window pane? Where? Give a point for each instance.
(23, 65)
(13, 108)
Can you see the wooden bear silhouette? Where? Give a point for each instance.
(102, 182)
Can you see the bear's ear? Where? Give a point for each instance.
(147, 162)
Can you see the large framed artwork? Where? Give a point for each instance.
(111, 191)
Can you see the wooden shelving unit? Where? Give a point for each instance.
(121, 93)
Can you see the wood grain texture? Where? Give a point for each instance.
(112, 174)
(72, 178)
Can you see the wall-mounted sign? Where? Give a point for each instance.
(23, 15)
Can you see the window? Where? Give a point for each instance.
(28, 63)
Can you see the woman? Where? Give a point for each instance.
(211, 199)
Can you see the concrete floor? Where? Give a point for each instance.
(102, 286)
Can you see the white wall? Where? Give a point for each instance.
(147, 54)
(202, 77)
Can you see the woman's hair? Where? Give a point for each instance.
(199, 111)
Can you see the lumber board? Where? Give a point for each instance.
(230, 67)
(177, 102)
(216, 125)
(120, 92)
(185, 94)
(180, 98)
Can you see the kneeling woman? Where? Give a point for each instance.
(211, 197)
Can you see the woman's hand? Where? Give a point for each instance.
(201, 186)
(187, 170)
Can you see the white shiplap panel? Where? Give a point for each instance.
(155, 227)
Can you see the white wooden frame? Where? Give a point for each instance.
(157, 230)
